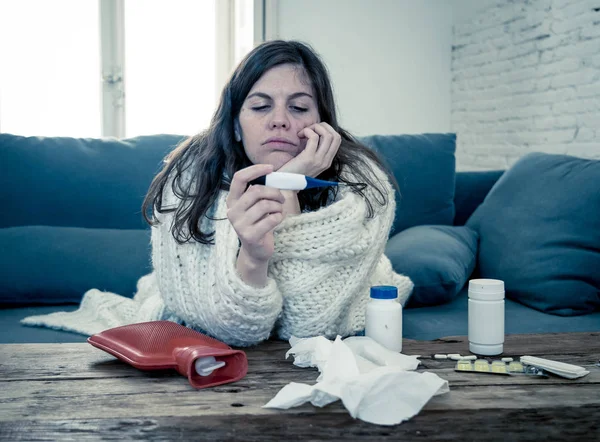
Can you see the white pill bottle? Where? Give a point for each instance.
(383, 321)
(486, 316)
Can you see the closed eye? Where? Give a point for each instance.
(266, 106)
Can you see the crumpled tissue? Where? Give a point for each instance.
(375, 384)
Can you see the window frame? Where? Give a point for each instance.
(112, 50)
(112, 62)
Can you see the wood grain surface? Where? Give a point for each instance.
(77, 392)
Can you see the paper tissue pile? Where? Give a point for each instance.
(375, 384)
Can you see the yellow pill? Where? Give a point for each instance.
(464, 365)
(481, 365)
(498, 367)
(515, 367)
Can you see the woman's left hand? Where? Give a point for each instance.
(321, 148)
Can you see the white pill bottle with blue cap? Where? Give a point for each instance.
(383, 320)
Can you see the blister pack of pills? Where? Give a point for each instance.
(498, 367)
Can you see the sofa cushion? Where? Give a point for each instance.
(78, 182)
(438, 259)
(452, 319)
(13, 332)
(424, 166)
(539, 230)
(427, 323)
(52, 265)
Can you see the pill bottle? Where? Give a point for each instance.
(383, 321)
(486, 316)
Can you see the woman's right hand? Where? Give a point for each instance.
(254, 212)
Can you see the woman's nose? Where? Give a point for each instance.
(279, 119)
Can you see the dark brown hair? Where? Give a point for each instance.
(213, 156)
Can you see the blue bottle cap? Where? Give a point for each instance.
(384, 292)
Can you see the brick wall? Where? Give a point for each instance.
(525, 78)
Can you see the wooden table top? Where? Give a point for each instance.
(77, 392)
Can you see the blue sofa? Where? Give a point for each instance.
(71, 221)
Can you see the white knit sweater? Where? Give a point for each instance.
(319, 277)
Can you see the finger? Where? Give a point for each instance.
(241, 178)
(265, 225)
(237, 211)
(331, 130)
(262, 209)
(335, 144)
(324, 125)
(326, 138)
(302, 134)
(259, 192)
(325, 146)
(313, 141)
(331, 153)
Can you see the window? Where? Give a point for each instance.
(117, 67)
(49, 73)
(169, 66)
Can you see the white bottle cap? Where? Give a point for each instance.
(486, 289)
(205, 366)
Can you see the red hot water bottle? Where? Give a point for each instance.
(159, 345)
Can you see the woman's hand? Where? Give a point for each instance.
(321, 148)
(254, 212)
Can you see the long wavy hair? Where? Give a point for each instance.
(213, 156)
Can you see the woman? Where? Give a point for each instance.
(241, 261)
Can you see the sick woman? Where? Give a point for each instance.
(245, 262)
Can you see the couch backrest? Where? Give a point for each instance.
(78, 182)
(423, 165)
(470, 190)
(101, 183)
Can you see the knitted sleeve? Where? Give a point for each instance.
(326, 261)
(200, 285)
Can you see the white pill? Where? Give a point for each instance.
(440, 356)
(455, 357)
(469, 358)
(507, 359)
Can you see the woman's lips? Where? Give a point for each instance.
(281, 145)
(280, 140)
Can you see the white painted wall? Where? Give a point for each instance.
(390, 60)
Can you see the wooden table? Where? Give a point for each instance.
(77, 392)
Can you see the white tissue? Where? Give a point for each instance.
(312, 352)
(374, 384)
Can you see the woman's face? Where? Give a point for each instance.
(279, 105)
